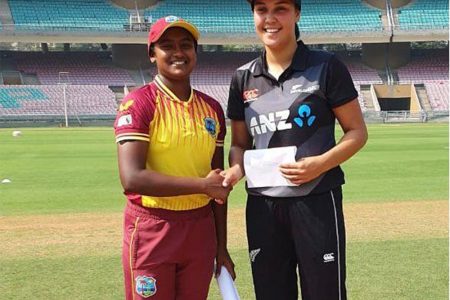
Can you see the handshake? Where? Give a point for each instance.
(219, 183)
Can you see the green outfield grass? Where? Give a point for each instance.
(74, 172)
(400, 163)
(376, 270)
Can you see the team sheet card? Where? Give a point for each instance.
(262, 166)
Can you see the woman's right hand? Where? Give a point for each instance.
(232, 176)
(214, 187)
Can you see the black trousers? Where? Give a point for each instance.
(304, 233)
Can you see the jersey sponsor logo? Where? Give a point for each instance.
(328, 257)
(298, 89)
(304, 116)
(145, 286)
(253, 254)
(250, 95)
(271, 122)
(210, 125)
(124, 121)
(171, 19)
(125, 106)
(277, 121)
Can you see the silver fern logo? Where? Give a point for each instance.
(253, 254)
(329, 257)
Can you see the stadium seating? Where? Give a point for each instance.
(83, 67)
(424, 14)
(343, 15)
(48, 100)
(222, 17)
(67, 15)
(430, 67)
(234, 15)
(361, 74)
(11, 97)
(230, 16)
(217, 68)
(438, 95)
(213, 72)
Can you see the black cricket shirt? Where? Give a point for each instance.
(295, 110)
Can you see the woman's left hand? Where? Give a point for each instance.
(303, 170)
(223, 259)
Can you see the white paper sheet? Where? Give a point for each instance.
(262, 166)
(226, 285)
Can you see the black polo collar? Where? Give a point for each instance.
(298, 61)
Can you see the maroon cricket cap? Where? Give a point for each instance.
(161, 25)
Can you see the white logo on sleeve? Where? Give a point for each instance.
(253, 254)
(328, 257)
(124, 120)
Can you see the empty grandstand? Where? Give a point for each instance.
(81, 15)
(62, 15)
(86, 68)
(49, 100)
(396, 51)
(425, 14)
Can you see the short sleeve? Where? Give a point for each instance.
(133, 119)
(223, 127)
(220, 127)
(235, 107)
(339, 86)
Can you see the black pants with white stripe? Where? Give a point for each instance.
(304, 233)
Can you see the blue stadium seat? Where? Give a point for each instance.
(231, 16)
(11, 97)
(424, 14)
(63, 15)
(343, 15)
